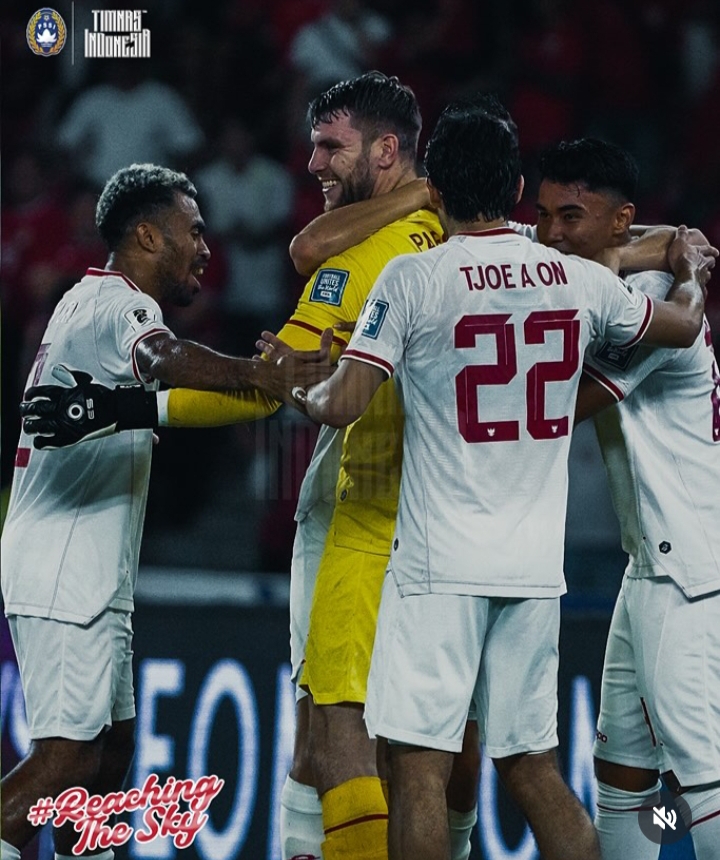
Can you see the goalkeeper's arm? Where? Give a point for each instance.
(59, 416)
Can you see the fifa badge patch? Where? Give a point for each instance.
(329, 286)
(616, 356)
(140, 318)
(46, 33)
(374, 315)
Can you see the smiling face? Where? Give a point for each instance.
(184, 254)
(343, 162)
(578, 221)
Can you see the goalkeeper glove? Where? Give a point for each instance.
(59, 416)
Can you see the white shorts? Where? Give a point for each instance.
(76, 680)
(310, 536)
(436, 654)
(660, 702)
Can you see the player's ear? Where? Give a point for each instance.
(148, 236)
(387, 148)
(436, 200)
(520, 188)
(624, 217)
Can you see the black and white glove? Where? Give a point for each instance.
(59, 416)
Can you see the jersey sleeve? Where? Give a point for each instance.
(385, 326)
(335, 293)
(185, 407)
(128, 319)
(621, 369)
(621, 313)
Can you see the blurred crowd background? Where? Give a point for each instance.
(224, 96)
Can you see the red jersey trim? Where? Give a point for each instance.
(369, 359)
(318, 331)
(22, 458)
(100, 273)
(645, 323)
(704, 818)
(136, 370)
(646, 714)
(495, 231)
(604, 381)
(377, 816)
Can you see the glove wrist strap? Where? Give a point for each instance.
(136, 408)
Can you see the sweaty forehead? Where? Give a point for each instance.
(575, 195)
(338, 129)
(184, 215)
(187, 206)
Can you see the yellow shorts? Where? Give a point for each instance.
(343, 617)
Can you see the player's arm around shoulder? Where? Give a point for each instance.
(649, 247)
(334, 232)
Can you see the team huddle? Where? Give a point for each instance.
(427, 568)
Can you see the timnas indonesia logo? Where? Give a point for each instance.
(117, 33)
(46, 33)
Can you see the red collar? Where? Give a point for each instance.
(100, 273)
(495, 231)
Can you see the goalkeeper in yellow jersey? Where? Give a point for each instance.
(364, 135)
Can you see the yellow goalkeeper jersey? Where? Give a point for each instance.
(368, 482)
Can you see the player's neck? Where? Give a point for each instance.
(398, 176)
(134, 270)
(454, 227)
(619, 241)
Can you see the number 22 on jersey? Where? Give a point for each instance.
(473, 377)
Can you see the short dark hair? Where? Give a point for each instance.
(594, 163)
(473, 159)
(137, 193)
(375, 104)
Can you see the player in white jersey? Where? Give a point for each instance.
(72, 535)
(659, 432)
(485, 335)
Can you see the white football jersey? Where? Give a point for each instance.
(487, 334)
(71, 540)
(321, 476)
(661, 447)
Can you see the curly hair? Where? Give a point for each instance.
(136, 193)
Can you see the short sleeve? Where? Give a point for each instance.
(131, 318)
(335, 293)
(621, 312)
(384, 328)
(621, 369)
